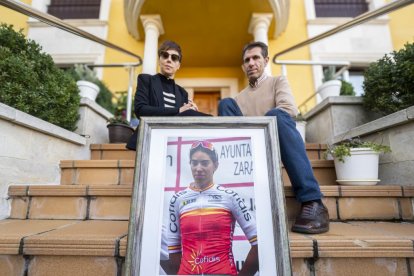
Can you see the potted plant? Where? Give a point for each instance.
(330, 86)
(347, 89)
(119, 130)
(356, 162)
(301, 125)
(86, 81)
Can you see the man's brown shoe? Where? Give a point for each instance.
(313, 219)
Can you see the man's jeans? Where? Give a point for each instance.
(292, 151)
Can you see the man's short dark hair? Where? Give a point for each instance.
(255, 44)
(169, 45)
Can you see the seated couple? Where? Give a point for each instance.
(158, 95)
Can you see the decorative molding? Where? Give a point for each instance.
(259, 18)
(281, 12)
(132, 11)
(152, 20)
(87, 58)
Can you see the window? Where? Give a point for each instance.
(340, 8)
(75, 9)
(356, 78)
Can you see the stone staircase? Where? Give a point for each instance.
(80, 226)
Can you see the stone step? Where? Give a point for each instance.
(119, 152)
(66, 247)
(121, 172)
(112, 202)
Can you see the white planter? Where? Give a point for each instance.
(361, 168)
(329, 89)
(88, 89)
(301, 127)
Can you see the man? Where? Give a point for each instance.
(271, 96)
(158, 95)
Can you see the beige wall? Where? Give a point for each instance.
(11, 17)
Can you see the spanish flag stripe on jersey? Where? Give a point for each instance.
(204, 212)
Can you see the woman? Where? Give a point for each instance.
(158, 95)
(202, 220)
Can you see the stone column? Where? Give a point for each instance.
(153, 29)
(259, 27)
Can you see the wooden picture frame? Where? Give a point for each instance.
(245, 145)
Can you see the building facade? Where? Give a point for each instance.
(212, 34)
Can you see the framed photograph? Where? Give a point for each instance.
(208, 198)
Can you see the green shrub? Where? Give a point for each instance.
(105, 96)
(346, 89)
(389, 82)
(31, 82)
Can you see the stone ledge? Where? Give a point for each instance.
(338, 100)
(398, 118)
(96, 107)
(20, 118)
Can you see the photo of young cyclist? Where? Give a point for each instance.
(202, 218)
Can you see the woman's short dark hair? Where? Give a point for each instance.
(255, 44)
(170, 45)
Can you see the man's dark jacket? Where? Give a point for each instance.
(149, 101)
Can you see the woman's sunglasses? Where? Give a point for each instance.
(166, 55)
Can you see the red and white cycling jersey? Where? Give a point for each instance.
(201, 226)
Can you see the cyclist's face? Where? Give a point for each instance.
(202, 168)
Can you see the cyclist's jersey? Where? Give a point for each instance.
(201, 226)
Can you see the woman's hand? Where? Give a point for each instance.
(194, 106)
(185, 107)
